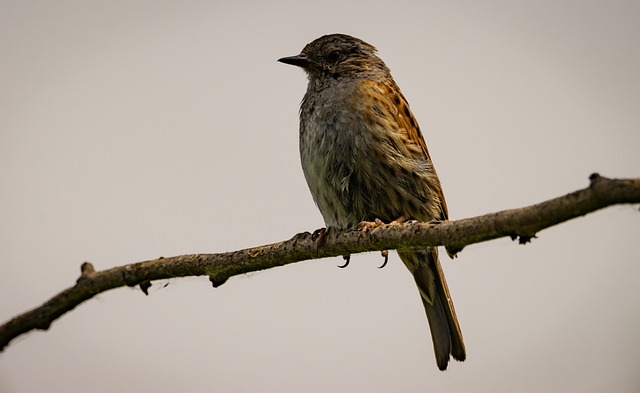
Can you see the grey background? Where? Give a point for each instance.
(131, 130)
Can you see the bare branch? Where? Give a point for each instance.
(522, 223)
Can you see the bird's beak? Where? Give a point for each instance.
(299, 60)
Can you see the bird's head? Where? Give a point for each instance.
(338, 56)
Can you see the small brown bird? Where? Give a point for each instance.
(364, 159)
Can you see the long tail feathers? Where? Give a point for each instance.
(445, 330)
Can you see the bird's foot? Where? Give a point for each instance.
(365, 226)
(319, 236)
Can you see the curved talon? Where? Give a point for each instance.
(347, 259)
(385, 254)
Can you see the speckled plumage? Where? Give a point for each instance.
(364, 158)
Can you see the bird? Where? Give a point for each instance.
(365, 161)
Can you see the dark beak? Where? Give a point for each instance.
(299, 60)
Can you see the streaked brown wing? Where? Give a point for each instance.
(388, 94)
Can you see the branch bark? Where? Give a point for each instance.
(522, 224)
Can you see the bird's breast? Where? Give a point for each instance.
(351, 169)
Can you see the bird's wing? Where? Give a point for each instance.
(391, 100)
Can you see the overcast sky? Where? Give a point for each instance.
(136, 129)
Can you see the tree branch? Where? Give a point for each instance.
(522, 223)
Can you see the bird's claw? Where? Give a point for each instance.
(347, 259)
(364, 226)
(385, 254)
(320, 237)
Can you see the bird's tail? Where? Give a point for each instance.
(445, 330)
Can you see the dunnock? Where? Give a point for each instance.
(365, 159)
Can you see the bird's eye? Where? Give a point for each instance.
(333, 56)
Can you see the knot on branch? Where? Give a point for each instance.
(86, 271)
(217, 281)
(132, 278)
(522, 239)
